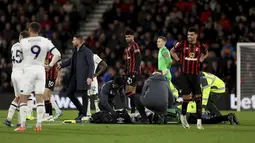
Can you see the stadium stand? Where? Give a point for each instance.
(221, 25)
(59, 19)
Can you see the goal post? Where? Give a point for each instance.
(245, 84)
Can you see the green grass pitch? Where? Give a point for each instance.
(56, 132)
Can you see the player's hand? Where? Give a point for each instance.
(89, 81)
(47, 67)
(201, 60)
(178, 65)
(165, 72)
(58, 66)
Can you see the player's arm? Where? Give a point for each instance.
(104, 98)
(168, 58)
(59, 78)
(174, 50)
(54, 51)
(138, 58)
(102, 66)
(90, 61)
(56, 56)
(205, 54)
(65, 63)
(168, 61)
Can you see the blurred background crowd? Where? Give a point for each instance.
(59, 19)
(221, 24)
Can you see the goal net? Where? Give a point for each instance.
(245, 98)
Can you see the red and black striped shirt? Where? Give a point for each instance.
(133, 58)
(52, 73)
(189, 56)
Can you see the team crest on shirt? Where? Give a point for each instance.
(191, 54)
(191, 57)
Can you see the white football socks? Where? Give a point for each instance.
(96, 105)
(54, 104)
(40, 109)
(23, 114)
(199, 121)
(30, 106)
(89, 110)
(11, 110)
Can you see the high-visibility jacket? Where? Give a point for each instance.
(210, 84)
(173, 90)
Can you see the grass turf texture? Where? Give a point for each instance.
(56, 132)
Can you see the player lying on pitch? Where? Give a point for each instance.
(173, 116)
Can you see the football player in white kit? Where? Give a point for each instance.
(93, 91)
(17, 72)
(34, 50)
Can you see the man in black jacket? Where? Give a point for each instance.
(81, 75)
(108, 93)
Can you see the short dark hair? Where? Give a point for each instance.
(24, 34)
(162, 37)
(129, 32)
(192, 29)
(35, 27)
(79, 37)
(118, 80)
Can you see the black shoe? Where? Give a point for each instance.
(161, 119)
(235, 119)
(79, 117)
(230, 118)
(8, 123)
(150, 118)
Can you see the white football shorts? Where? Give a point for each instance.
(16, 78)
(33, 80)
(93, 88)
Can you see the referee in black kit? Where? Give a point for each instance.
(81, 74)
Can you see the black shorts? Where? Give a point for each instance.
(50, 84)
(190, 84)
(132, 79)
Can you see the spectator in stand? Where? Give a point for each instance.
(227, 51)
(59, 20)
(217, 21)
